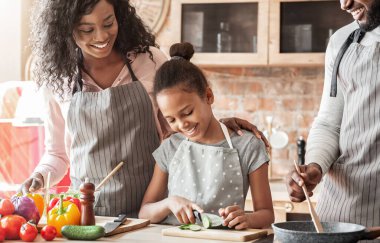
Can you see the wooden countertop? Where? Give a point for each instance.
(149, 234)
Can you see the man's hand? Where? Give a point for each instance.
(310, 175)
(32, 184)
(236, 124)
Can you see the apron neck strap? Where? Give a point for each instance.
(226, 134)
(134, 78)
(355, 37)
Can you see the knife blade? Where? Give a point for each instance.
(111, 226)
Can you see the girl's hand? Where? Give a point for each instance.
(183, 209)
(234, 217)
(236, 124)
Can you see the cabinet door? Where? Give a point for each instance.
(300, 29)
(223, 32)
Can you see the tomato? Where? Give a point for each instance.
(28, 232)
(6, 207)
(48, 232)
(12, 224)
(2, 234)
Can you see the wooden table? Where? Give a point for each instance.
(149, 234)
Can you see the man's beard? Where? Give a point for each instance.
(373, 17)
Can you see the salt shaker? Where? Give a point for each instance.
(87, 200)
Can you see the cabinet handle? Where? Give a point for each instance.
(288, 207)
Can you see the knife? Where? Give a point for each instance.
(111, 226)
(209, 220)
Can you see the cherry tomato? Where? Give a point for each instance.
(12, 224)
(28, 232)
(6, 207)
(48, 232)
(2, 234)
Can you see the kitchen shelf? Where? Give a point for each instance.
(261, 32)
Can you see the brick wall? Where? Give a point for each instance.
(290, 94)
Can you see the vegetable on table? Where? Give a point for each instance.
(25, 207)
(11, 224)
(2, 234)
(54, 201)
(192, 227)
(84, 232)
(38, 201)
(48, 232)
(28, 231)
(65, 213)
(6, 207)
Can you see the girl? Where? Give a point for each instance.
(205, 166)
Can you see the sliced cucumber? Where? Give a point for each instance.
(195, 227)
(206, 221)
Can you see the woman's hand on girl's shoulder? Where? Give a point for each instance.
(237, 124)
(183, 209)
(234, 217)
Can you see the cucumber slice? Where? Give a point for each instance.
(206, 221)
(184, 226)
(195, 227)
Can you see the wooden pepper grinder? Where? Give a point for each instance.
(87, 200)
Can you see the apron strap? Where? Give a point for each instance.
(355, 37)
(134, 78)
(226, 134)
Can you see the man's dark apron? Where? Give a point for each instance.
(106, 127)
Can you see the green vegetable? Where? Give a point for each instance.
(78, 232)
(211, 221)
(192, 227)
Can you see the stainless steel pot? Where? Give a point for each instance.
(334, 232)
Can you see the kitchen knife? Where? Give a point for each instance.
(209, 220)
(111, 226)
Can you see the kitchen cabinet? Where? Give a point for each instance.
(257, 32)
(299, 30)
(223, 32)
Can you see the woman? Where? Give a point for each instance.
(96, 62)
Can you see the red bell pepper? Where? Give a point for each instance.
(54, 201)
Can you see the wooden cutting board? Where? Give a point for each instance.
(128, 225)
(213, 234)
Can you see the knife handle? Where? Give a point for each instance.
(120, 218)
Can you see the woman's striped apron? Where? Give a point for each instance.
(106, 127)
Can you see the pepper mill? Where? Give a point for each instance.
(301, 150)
(87, 200)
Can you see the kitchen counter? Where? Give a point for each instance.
(149, 234)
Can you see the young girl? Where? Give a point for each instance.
(205, 166)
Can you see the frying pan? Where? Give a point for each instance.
(334, 232)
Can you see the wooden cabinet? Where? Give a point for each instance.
(223, 32)
(257, 32)
(299, 30)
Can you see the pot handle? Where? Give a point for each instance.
(371, 233)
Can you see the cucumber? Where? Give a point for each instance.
(212, 221)
(195, 227)
(206, 221)
(82, 232)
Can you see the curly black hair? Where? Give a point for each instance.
(57, 57)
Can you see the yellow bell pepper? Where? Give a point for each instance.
(65, 213)
(38, 200)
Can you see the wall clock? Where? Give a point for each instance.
(152, 12)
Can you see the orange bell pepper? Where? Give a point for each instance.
(38, 200)
(65, 213)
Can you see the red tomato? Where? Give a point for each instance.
(48, 232)
(2, 234)
(12, 224)
(28, 232)
(6, 207)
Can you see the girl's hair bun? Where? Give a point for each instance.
(184, 50)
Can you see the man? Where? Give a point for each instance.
(344, 142)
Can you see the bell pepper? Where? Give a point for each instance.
(54, 201)
(65, 213)
(38, 200)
